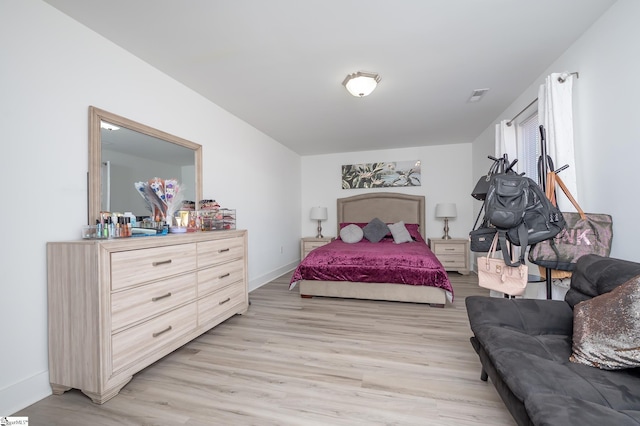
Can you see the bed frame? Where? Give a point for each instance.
(390, 208)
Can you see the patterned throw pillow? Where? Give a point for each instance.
(375, 230)
(606, 329)
(400, 233)
(351, 234)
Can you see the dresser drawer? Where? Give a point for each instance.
(212, 307)
(133, 267)
(138, 303)
(450, 249)
(308, 248)
(310, 245)
(214, 252)
(216, 277)
(452, 260)
(140, 341)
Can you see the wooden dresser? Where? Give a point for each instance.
(117, 306)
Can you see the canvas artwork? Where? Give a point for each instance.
(381, 175)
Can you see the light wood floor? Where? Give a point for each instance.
(321, 361)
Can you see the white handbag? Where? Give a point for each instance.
(496, 275)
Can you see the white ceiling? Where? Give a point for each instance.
(279, 64)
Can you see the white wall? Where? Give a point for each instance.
(606, 100)
(52, 69)
(446, 173)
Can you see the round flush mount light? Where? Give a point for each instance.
(361, 83)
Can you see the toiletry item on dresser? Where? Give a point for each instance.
(132, 219)
(188, 205)
(92, 232)
(143, 231)
(109, 225)
(123, 227)
(111, 230)
(209, 205)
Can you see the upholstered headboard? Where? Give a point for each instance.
(387, 206)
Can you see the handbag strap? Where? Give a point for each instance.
(556, 179)
(550, 188)
(508, 254)
(494, 169)
(492, 249)
(479, 213)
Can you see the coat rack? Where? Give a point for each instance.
(545, 165)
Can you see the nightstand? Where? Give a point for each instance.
(452, 253)
(309, 243)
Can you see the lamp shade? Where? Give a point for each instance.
(446, 210)
(361, 83)
(318, 213)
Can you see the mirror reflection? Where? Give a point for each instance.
(123, 152)
(128, 157)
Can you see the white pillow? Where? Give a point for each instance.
(351, 234)
(400, 233)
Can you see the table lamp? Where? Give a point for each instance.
(446, 211)
(319, 214)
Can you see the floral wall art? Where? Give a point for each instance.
(381, 175)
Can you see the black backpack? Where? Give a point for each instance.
(506, 200)
(521, 212)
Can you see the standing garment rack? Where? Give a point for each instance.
(545, 165)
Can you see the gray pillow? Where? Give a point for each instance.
(351, 234)
(375, 230)
(400, 233)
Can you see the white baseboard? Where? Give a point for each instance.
(20, 395)
(267, 278)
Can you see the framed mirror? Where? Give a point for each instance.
(122, 152)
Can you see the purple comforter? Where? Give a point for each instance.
(383, 262)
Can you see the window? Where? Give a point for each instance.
(528, 139)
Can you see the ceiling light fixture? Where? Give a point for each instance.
(361, 83)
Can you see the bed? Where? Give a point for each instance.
(319, 275)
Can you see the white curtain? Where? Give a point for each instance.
(555, 113)
(506, 142)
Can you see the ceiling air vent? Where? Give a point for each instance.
(477, 94)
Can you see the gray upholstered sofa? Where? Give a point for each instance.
(524, 346)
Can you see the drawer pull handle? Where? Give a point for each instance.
(224, 276)
(162, 262)
(225, 301)
(223, 250)
(164, 296)
(450, 249)
(161, 332)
